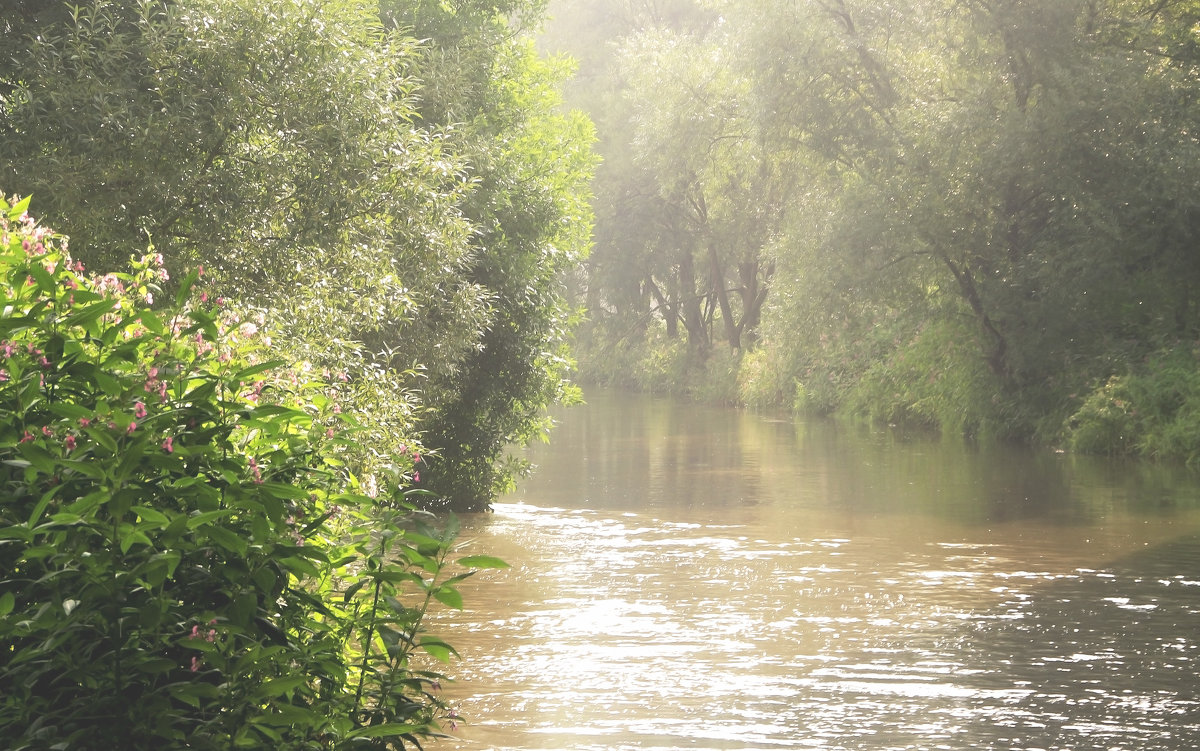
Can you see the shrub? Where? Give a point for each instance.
(186, 560)
(934, 379)
(1153, 410)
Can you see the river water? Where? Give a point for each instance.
(689, 577)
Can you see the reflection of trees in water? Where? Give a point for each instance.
(634, 451)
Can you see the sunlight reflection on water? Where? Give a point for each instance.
(763, 626)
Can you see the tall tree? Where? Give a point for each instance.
(529, 165)
(405, 209)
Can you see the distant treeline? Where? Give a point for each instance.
(979, 216)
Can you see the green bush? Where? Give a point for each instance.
(1106, 422)
(1152, 411)
(185, 559)
(934, 379)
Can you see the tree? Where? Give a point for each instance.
(529, 165)
(388, 229)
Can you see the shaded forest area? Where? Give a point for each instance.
(979, 216)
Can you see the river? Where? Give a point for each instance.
(688, 577)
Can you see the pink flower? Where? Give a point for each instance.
(26, 437)
(139, 409)
(208, 635)
(132, 427)
(85, 421)
(195, 664)
(46, 431)
(169, 445)
(69, 443)
(416, 476)
(329, 432)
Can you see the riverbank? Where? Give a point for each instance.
(1147, 408)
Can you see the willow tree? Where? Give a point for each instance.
(1005, 173)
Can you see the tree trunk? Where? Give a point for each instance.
(733, 331)
(689, 302)
(996, 347)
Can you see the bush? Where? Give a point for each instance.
(1106, 422)
(934, 379)
(1152, 411)
(186, 560)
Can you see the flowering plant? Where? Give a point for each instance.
(185, 559)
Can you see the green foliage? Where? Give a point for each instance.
(273, 145)
(936, 379)
(185, 560)
(1152, 411)
(407, 210)
(1105, 423)
(530, 164)
(963, 212)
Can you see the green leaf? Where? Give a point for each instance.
(242, 375)
(438, 649)
(185, 287)
(482, 561)
(89, 314)
(20, 207)
(152, 321)
(70, 411)
(108, 384)
(205, 517)
(382, 731)
(7, 602)
(449, 596)
(38, 457)
(280, 686)
(227, 539)
(353, 589)
(36, 515)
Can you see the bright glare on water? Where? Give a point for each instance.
(689, 578)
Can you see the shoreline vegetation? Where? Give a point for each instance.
(1150, 411)
(979, 218)
(316, 286)
(193, 553)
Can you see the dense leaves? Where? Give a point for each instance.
(529, 163)
(403, 208)
(966, 215)
(184, 558)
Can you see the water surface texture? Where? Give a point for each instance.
(691, 577)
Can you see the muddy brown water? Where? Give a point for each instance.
(690, 577)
